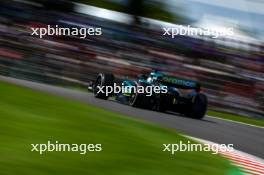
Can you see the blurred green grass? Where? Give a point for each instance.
(129, 146)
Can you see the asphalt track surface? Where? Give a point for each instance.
(245, 138)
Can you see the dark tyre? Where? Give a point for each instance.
(103, 80)
(138, 100)
(198, 107)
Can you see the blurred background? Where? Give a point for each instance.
(231, 69)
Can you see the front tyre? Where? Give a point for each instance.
(139, 100)
(198, 107)
(136, 99)
(102, 81)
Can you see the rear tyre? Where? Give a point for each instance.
(103, 80)
(198, 107)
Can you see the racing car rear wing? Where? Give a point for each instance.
(179, 83)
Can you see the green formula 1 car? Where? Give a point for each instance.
(155, 91)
